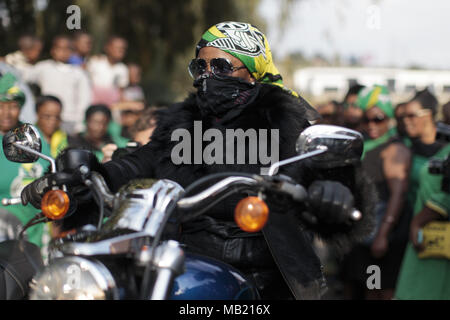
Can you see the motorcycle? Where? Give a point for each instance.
(131, 254)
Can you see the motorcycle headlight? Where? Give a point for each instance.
(74, 278)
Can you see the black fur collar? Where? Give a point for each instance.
(274, 108)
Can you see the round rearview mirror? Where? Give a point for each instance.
(22, 144)
(344, 146)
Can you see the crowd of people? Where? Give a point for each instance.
(399, 142)
(83, 85)
(80, 100)
(75, 99)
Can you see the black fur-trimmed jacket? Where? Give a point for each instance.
(285, 242)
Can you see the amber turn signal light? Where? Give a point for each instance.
(251, 214)
(55, 204)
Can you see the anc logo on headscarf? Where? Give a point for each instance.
(248, 44)
(240, 39)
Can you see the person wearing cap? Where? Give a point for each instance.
(239, 87)
(386, 161)
(15, 176)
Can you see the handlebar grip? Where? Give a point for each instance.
(11, 201)
(299, 193)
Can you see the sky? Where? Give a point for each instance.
(385, 33)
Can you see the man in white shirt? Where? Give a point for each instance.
(30, 48)
(67, 82)
(109, 75)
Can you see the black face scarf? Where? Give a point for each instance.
(224, 97)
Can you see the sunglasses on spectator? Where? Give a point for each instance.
(219, 66)
(416, 114)
(376, 120)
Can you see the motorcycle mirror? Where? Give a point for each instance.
(23, 144)
(343, 146)
(329, 146)
(24, 135)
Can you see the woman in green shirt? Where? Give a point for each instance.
(426, 278)
(15, 176)
(419, 124)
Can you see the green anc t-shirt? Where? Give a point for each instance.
(13, 178)
(426, 279)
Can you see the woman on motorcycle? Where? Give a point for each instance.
(239, 88)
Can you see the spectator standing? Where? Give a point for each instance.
(97, 118)
(48, 110)
(30, 48)
(140, 132)
(421, 129)
(134, 91)
(352, 113)
(426, 278)
(15, 176)
(446, 113)
(401, 131)
(331, 113)
(386, 161)
(27, 112)
(129, 109)
(82, 43)
(69, 83)
(109, 75)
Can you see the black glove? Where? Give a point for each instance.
(34, 191)
(330, 201)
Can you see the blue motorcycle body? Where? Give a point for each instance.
(209, 279)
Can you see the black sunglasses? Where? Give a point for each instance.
(377, 119)
(219, 66)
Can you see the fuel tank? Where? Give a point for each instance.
(209, 279)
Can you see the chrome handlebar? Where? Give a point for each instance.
(215, 190)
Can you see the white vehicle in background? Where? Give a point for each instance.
(333, 83)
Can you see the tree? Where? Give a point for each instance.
(161, 34)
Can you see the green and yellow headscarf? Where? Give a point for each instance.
(376, 96)
(248, 44)
(10, 91)
(245, 42)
